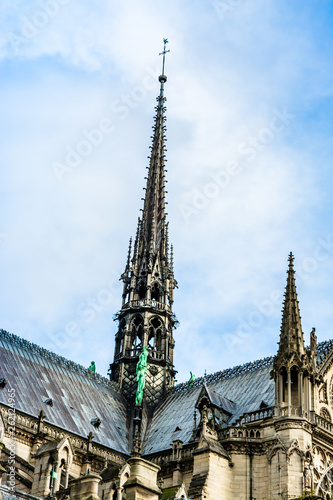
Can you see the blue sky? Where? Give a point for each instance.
(249, 169)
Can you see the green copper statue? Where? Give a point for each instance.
(141, 368)
(92, 367)
(192, 379)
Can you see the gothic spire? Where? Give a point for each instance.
(291, 336)
(294, 367)
(146, 317)
(153, 221)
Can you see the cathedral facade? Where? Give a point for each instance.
(260, 431)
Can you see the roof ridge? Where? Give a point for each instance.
(71, 365)
(249, 367)
(227, 373)
(322, 348)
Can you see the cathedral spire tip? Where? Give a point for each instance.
(291, 259)
(162, 78)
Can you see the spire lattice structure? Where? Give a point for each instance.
(146, 317)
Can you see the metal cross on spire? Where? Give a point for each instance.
(165, 41)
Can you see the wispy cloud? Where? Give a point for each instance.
(71, 68)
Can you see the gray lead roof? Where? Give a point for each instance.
(174, 418)
(77, 397)
(37, 374)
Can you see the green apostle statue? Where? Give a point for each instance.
(92, 367)
(141, 368)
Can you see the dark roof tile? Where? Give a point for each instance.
(37, 374)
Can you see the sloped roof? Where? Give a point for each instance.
(246, 390)
(241, 388)
(37, 374)
(220, 402)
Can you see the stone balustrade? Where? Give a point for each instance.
(160, 306)
(253, 416)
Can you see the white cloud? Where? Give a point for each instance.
(228, 78)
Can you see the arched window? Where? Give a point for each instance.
(51, 467)
(155, 334)
(137, 332)
(120, 337)
(325, 414)
(156, 292)
(284, 385)
(141, 290)
(294, 386)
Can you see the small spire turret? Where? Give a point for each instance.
(291, 338)
(294, 367)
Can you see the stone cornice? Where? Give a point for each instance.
(26, 430)
(292, 423)
(322, 435)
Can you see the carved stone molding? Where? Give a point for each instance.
(292, 424)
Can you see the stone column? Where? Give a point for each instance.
(277, 387)
(85, 487)
(66, 478)
(289, 392)
(148, 295)
(142, 483)
(42, 477)
(280, 392)
(56, 480)
(177, 476)
(301, 393)
(306, 394)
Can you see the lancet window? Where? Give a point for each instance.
(137, 332)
